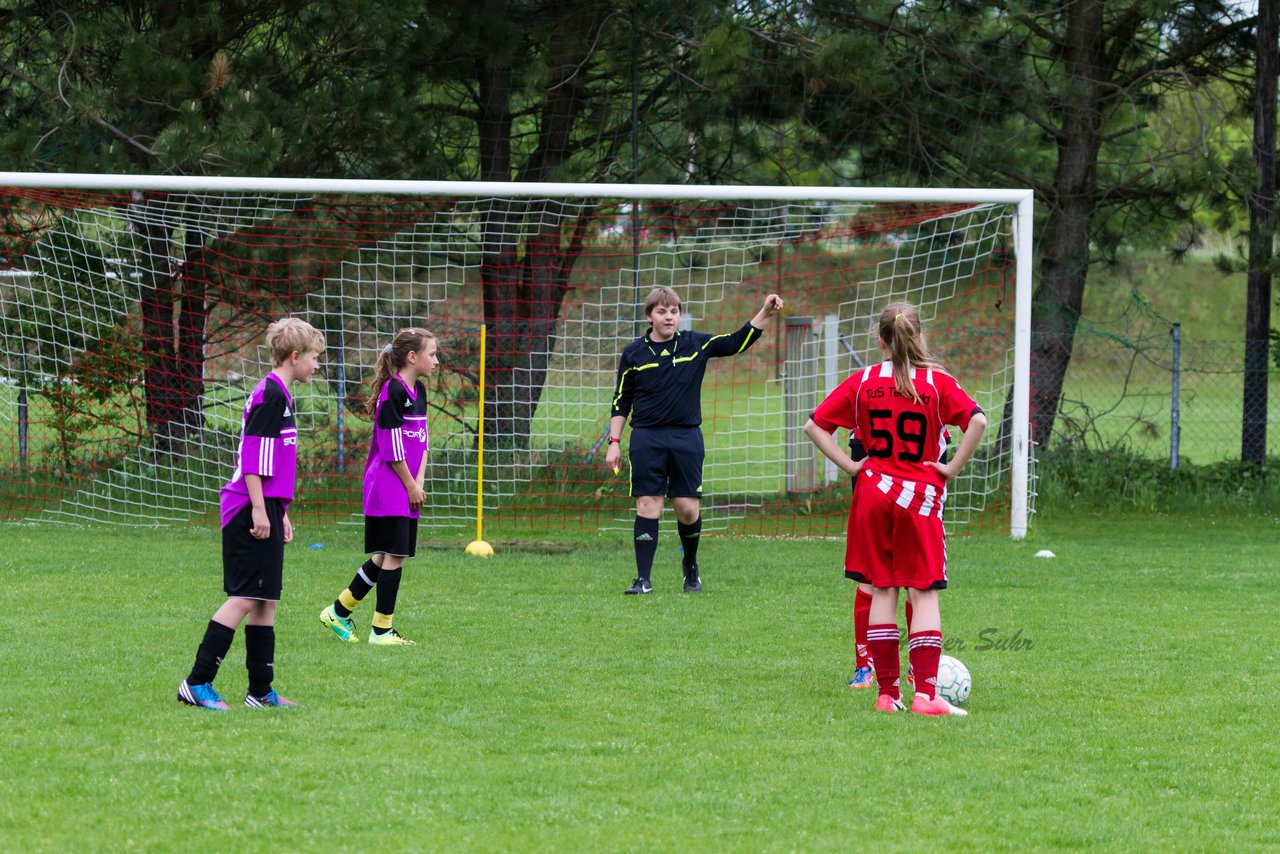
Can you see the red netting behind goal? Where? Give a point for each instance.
(132, 330)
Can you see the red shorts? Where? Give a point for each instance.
(895, 536)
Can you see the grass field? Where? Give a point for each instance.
(542, 710)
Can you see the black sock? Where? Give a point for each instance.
(689, 537)
(365, 579)
(388, 589)
(259, 657)
(217, 640)
(646, 537)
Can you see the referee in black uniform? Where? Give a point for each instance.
(660, 387)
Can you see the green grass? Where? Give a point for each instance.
(542, 710)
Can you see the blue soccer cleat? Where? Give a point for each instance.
(863, 677)
(201, 696)
(271, 700)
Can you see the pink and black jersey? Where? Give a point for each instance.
(399, 433)
(268, 448)
(898, 433)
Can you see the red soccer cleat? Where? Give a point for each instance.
(885, 703)
(920, 705)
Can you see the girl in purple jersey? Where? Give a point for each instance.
(255, 524)
(393, 477)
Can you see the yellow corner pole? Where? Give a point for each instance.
(478, 547)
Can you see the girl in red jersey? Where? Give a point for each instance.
(895, 538)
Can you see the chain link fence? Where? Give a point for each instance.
(1162, 393)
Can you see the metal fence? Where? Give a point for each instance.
(1163, 393)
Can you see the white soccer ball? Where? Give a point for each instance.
(953, 680)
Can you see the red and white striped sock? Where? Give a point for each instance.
(923, 651)
(861, 617)
(882, 642)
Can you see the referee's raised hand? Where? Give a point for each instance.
(772, 305)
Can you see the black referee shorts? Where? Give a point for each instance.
(253, 568)
(666, 461)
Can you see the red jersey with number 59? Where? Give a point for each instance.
(898, 433)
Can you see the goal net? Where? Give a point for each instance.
(132, 313)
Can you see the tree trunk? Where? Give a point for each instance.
(525, 275)
(500, 277)
(1257, 325)
(523, 294)
(193, 321)
(1064, 261)
(173, 376)
(545, 282)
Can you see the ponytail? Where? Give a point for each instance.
(903, 336)
(382, 372)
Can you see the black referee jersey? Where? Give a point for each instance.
(660, 383)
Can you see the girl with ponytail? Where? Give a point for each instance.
(393, 480)
(900, 409)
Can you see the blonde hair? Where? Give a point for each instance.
(292, 334)
(903, 336)
(392, 358)
(660, 295)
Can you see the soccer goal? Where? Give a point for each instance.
(132, 310)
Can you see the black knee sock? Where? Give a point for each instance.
(689, 538)
(365, 579)
(388, 589)
(259, 657)
(646, 537)
(217, 640)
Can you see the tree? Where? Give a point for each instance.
(524, 90)
(200, 87)
(543, 91)
(1057, 98)
(1262, 226)
(1054, 97)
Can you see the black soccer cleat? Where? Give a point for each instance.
(692, 581)
(640, 585)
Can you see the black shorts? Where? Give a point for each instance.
(391, 535)
(666, 461)
(253, 568)
(857, 451)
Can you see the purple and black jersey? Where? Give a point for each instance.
(268, 448)
(399, 433)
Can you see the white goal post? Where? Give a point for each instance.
(103, 278)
